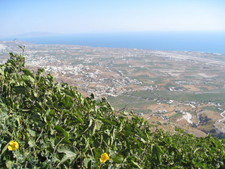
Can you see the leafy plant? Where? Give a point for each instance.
(56, 127)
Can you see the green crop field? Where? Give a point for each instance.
(181, 95)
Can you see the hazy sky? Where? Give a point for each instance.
(96, 16)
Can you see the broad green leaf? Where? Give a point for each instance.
(31, 142)
(31, 132)
(61, 130)
(27, 72)
(136, 164)
(9, 164)
(86, 161)
(69, 155)
(20, 89)
(118, 159)
(4, 149)
(156, 152)
(97, 125)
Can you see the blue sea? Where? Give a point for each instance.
(211, 42)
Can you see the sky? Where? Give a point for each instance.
(104, 16)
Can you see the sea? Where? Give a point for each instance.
(208, 41)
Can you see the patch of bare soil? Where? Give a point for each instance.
(148, 74)
(159, 123)
(161, 107)
(211, 114)
(191, 88)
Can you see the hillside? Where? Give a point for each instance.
(45, 124)
(183, 89)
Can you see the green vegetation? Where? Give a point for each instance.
(211, 108)
(48, 125)
(128, 102)
(181, 96)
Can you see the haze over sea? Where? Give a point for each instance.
(211, 42)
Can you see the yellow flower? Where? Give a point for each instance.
(104, 158)
(13, 145)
